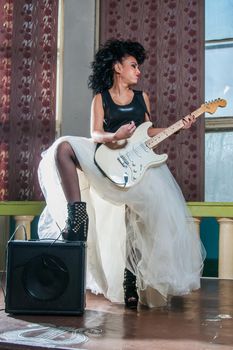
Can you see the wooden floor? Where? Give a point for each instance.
(202, 320)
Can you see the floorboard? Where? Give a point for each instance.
(201, 320)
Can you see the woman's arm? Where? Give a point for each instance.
(151, 131)
(97, 119)
(188, 120)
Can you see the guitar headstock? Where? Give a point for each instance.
(211, 107)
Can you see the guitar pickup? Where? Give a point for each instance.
(125, 160)
(122, 161)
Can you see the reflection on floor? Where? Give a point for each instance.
(201, 320)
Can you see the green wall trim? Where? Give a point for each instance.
(198, 209)
(21, 207)
(211, 209)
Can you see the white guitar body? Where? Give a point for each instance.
(126, 166)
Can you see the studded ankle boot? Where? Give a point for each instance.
(77, 222)
(130, 290)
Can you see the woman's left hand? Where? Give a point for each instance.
(188, 121)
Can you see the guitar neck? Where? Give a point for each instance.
(155, 140)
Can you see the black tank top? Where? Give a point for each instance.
(117, 115)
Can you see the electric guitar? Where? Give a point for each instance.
(125, 165)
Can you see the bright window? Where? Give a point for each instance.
(219, 84)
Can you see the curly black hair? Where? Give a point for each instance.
(111, 52)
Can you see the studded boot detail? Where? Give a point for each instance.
(130, 290)
(77, 222)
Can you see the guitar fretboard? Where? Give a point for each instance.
(155, 140)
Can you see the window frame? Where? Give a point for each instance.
(225, 123)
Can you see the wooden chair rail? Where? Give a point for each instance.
(198, 209)
(21, 208)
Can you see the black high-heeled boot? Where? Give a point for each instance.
(76, 223)
(130, 290)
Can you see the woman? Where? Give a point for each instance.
(145, 230)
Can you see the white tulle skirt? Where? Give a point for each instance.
(146, 228)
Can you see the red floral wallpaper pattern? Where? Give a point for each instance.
(28, 86)
(173, 75)
(6, 16)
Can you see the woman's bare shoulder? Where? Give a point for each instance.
(145, 95)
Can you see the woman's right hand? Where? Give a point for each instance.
(125, 131)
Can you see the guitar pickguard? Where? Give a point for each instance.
(126, 166)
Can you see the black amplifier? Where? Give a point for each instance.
(45, 277)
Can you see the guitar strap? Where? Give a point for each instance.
(139, 94)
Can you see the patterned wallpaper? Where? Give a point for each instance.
(173, 75)
(28, 38)
(6, 16)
